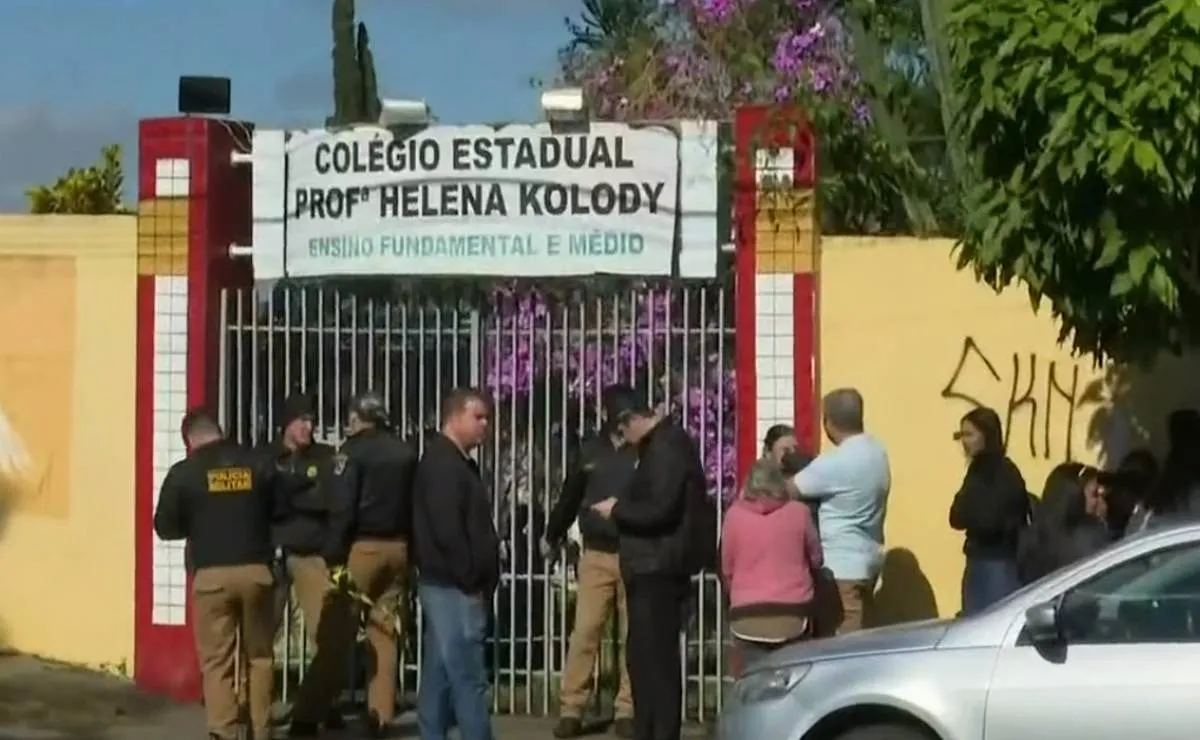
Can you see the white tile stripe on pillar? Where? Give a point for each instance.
(172, 178)
(170, 403)
(775, 350)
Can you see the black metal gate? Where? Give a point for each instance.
(544, 360)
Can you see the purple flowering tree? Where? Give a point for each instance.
(557, 353)
(640, 60)
(693, 59)
(704, 58)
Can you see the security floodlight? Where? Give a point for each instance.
(394, 112)
(563, 104)
(204, 95)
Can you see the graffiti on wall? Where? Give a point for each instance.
(37, 367)
(1041, 400)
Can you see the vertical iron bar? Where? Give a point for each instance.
(339, 392)
(501, 489)
(723, 360)
(527, 489)
(244, 389)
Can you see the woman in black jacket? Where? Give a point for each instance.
(991, 508)
(1127, 489)
(1063, 531)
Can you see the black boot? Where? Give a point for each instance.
(623, 728)
(373, 727)
(334, 720)
(303, 729)
(568, 727)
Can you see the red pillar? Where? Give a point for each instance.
(192, 203)
(776, 268)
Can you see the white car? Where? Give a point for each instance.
(1105, 649)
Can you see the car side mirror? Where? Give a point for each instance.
(1042, 622)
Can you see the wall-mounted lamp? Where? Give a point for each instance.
(394, 112)
(564, 104)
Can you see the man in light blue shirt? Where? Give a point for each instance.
(850, 482)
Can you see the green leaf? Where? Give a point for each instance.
(1146, 157)
(1139, 262)
(1122, 284)
(1120, 143)
(1163, 287)
(1113, 240)
(1191, 16)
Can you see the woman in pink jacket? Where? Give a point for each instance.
(769, 552)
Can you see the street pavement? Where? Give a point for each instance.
(48, 701)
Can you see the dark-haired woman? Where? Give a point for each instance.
(781, 446)
(1095, 496)
(779, 441)
(1063, 531)
(1127, 489)
(1175, 495)
(990, 508)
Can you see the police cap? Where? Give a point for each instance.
(619, 401)
(370, 407)
(296, 406)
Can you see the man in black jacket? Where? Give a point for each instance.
(371, 527)
(458, 569)
(221, 499)
(303, 470)
(603, 469)
(659, 517)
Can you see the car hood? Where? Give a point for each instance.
(897, 638)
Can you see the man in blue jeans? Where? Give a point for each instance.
(458, 568)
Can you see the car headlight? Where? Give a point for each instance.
(770, 683)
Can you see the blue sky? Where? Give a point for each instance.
(80, 74)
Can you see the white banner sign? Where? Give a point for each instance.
(479, 200)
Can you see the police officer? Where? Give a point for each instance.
(303, 470)
(221, 500)
(370, 532)
(604, 467)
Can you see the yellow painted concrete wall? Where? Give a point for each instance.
(67, 334)
(924, 342)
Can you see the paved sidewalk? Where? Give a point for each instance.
(185, 723)
(48, 701)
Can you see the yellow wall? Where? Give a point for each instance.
(919, 339)
(67, 374)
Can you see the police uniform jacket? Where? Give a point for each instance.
(221, 499)
(304, 485)
(372, 498)
(602, 470)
